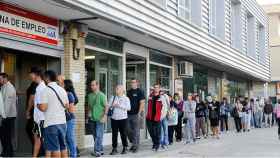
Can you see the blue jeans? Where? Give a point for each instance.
(190, 129)
(54, 137)
(70, 138)
(164, 132)
(97, 132)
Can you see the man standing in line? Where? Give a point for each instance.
(137, 102)
(38, 115)
(8, 124)
(53, 102)
(30, 93)
(98, 107)
(155, 104)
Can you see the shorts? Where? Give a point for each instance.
(55, 137)
(38, 129)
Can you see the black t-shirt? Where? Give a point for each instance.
(135, 96)
(31, 90)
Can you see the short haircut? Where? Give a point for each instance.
(51, 75)
(133, 79)
(95, 81)
(37, 71)
(4, 75)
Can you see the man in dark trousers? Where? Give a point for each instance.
(137, 100)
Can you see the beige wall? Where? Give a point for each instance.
(275, 63)
(273, 12)
(78, 67)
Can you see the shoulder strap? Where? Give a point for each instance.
(57, 96)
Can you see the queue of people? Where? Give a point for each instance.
(50, 109)
(51, 104)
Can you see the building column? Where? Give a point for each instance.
(224, 89)
(74, 69)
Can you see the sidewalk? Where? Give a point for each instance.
(145, 149)
(246, 144)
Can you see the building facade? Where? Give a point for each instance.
(209, 47)
(273, 12)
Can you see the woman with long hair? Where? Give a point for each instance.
(70, 118)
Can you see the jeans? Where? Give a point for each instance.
(6, 133)
(164, 132)
(119, 126)
(200, 125)
(266, 117)
(54, 138)
(154, 129)
(224, 122)
(178, 129)
(98, 131)
(190, 129)
(248, 120)
(258, 119)
(70, 138)
(133, 129)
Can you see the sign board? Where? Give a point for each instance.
(278, 88)
(178, 86)
(25, 24)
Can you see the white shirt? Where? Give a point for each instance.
(55, 113)
(120, 111)
(9, 99)
(38, 115)
(2, 110)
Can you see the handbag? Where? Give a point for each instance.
(111, 109)
(185, 120)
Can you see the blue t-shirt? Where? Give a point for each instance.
(71, 99)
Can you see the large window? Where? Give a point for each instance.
(161, 75)
(217, 18)
(105, 68)
(161, 3)
(184, 9)
(160, 69)
(251, 40)
(261, 44)
(236, 26)
(213, 16)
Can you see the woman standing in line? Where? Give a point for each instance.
(172, 119)
(120, 105)
(180, 107)
(236, 114)
(190, 106)
(277, 111)
(70, 118)
(214, 110)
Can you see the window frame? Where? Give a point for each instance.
(213, 17)
(184, 9)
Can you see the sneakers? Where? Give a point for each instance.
(96, 154)
(124, 151)
(114, 152)
(133, 149)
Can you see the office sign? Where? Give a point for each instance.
(29, 25)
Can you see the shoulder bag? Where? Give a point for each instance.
(111, 109)
(67, 114)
